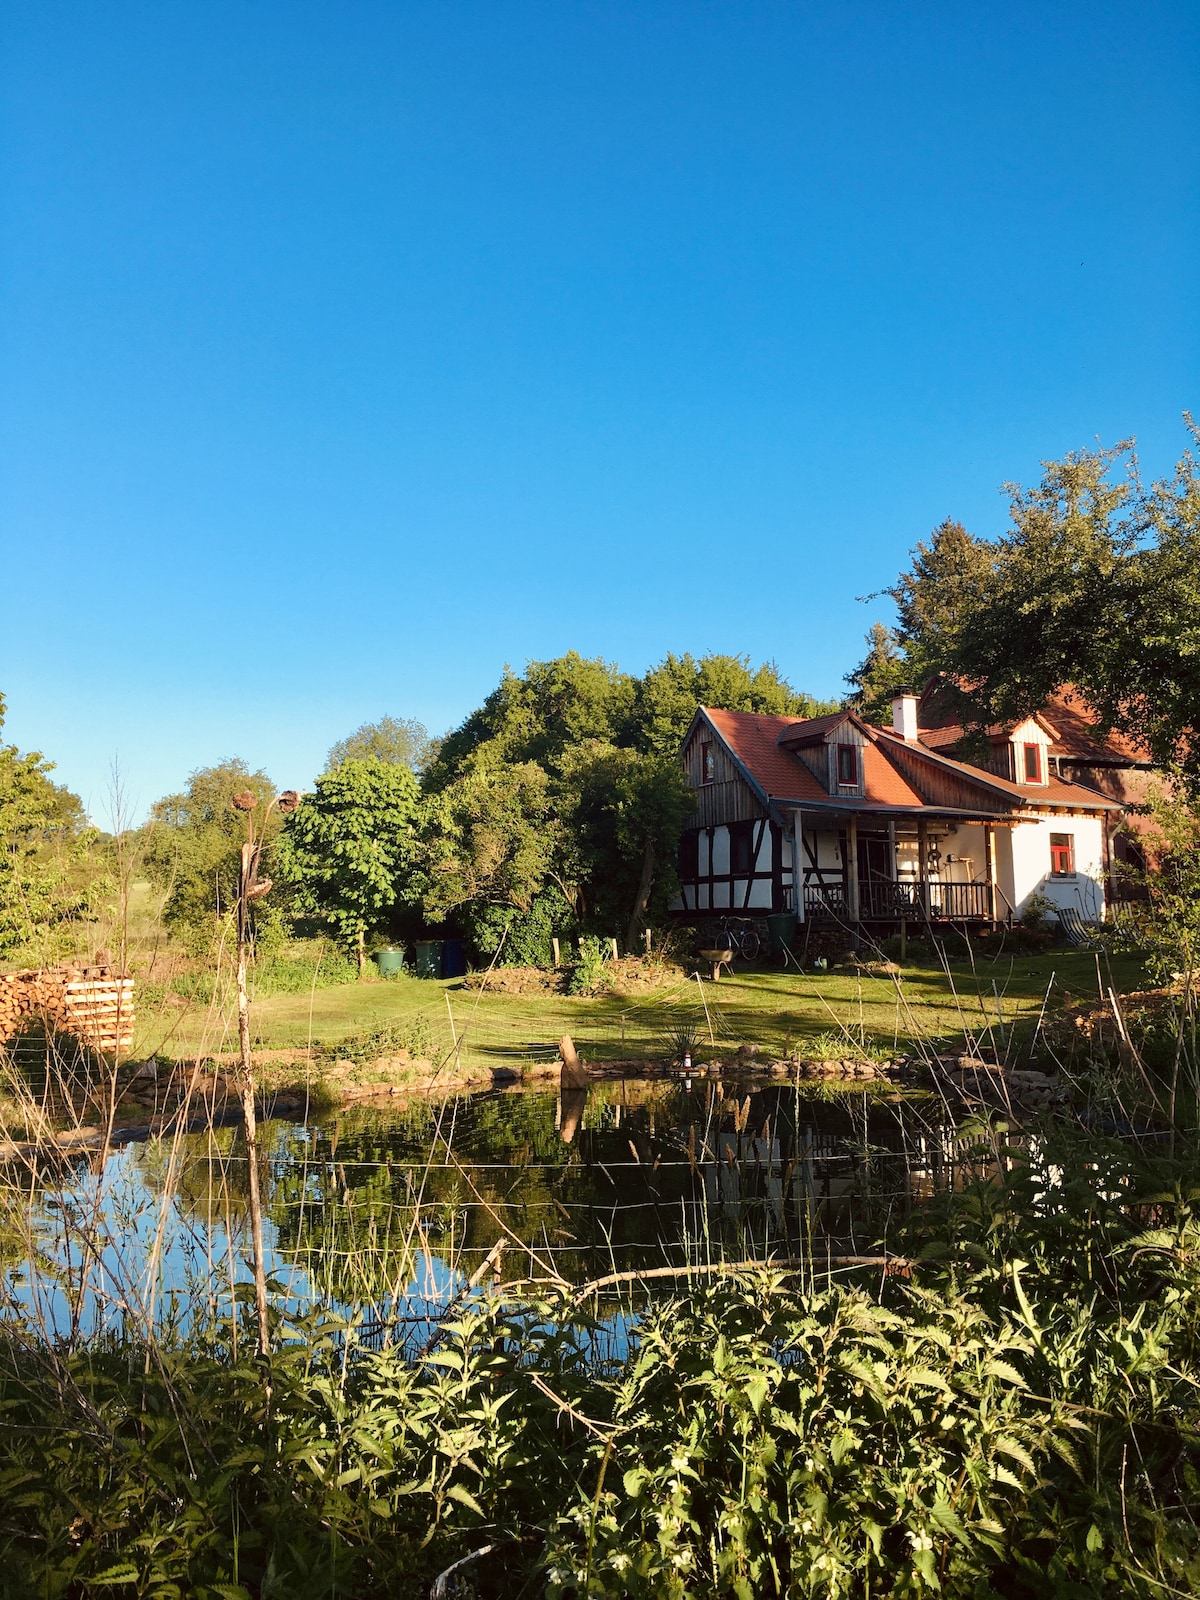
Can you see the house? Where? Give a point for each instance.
(830, 817)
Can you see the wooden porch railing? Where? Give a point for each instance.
(882, 901)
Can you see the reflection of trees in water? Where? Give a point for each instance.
(617, 1177)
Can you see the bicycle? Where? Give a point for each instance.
(742, 937)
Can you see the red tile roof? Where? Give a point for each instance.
(760, 742)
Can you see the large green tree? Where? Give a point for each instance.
(400, 739)
(351, 850)
(52, 873)
(1097, 585)
(559, 803)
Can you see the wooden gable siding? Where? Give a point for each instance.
(939, 786)
(729, 798)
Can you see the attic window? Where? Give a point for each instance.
(1033, 763)
(847, 766)
(708, 764)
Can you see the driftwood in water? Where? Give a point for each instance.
(574, 1074)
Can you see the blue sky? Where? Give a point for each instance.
(348, 352)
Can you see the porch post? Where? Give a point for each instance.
(923, 866)
(797, 865)
(853, 909)
(989, 839)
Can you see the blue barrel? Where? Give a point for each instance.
(389, 960)
(454, 958)
(429, 958)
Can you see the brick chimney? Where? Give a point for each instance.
(904, 715)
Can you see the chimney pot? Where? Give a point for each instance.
(904, 716)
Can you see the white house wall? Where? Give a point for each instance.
(1029, 868)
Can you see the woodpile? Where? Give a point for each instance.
(94, 1004)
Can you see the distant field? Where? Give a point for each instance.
(773, 1010)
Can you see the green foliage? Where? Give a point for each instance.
(523, 938)
(1021, 1419)
(193, 842)
(491, 835)
(567, 776)
(399, 739)
(669, 693)
(1096, 586)
(537, 717)
(1164, 928)
(882, 673)
(588, 966)
(298, 968)
(415, 1034)
(351, 850)
(52, 872)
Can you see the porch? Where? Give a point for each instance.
(853, 869)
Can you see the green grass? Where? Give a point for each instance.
(774, 1010)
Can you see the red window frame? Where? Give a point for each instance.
(1062, 855)
(1033, 763)
(708, 765)
(847, 763)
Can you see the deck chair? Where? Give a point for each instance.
(1084, 935)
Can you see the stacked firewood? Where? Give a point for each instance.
(94, 1003)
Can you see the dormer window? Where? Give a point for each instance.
(1032, 754)
(847, 766)
(708, 764)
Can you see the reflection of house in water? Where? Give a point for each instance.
(765, 1173)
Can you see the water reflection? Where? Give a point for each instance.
(394, 1208)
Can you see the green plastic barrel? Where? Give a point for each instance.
(781, 927)
(389, 960)
(429, 958)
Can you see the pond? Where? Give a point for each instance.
(394, 1209)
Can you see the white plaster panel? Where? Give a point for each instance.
(1083, 890)
(720, 850)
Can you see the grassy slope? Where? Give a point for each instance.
(770, 1009)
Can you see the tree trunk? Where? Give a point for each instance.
(638, 919)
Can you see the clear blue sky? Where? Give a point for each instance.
(350, 351)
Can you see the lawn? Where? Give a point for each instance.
(774, 1010)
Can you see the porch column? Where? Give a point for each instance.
(798, 865)
(989, 843)
(923, 866)
(852, 905)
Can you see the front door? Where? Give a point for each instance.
(875, 896)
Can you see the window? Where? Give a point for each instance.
(708, 764)
(1033, 763)
(741, 848)
(847, 765)
(689, 856)
(1062, 854)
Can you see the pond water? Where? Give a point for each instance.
(394, 1208)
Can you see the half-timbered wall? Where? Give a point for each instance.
(731, 875)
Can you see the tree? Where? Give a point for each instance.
(51, 872)
(1096, 586)
(536, 717)
(351, 850)
(491, 839)
(623, 812)
(567, 778)
(193, 845)
(399, 739)
(667, 697)
(882, 674)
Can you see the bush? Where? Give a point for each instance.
(529, 933)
